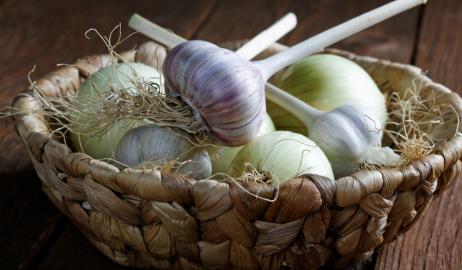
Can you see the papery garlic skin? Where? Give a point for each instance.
(109, 80)
(347, 136)
(283, 153)
(225, 90)
(161, 145)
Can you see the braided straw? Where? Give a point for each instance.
(155, 219)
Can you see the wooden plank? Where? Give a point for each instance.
(72, 251)
(253, 17)
(46, 33)
(28, 219)
(51, 32)
(434, 241)
(240, 19)
(392, 39)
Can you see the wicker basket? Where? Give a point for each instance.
(155, 219)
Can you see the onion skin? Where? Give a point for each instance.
(226, 90)
(223, 156)
(97, 87)
(283, 153)
(326, 82)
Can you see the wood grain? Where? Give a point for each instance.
(240, 19)
(392, 39)
(45, 33)
(434, 241)
(33, 233)
(74, 252)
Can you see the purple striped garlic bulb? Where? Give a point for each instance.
(225, 91)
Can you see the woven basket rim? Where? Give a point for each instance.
(413, 69)
(360, 188)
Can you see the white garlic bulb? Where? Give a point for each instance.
(160, 145)
(349, 135)
(226, 91)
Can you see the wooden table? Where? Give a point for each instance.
(33, 234)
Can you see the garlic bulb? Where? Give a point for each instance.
(231, 107)
(349, 135)
(284, 154)
(223, 156)
(101, 85)
(326, 81)
(161, 145)
(227, 92)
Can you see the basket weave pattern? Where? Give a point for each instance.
(156, 219)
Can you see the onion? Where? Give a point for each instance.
(283, 153)
(223, 156)
(102, 85)
(326, 82)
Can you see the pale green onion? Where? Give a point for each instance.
(284, 154)
(223, 156)
(105, 84)
(326, 81)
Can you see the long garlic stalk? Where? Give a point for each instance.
(227, 91)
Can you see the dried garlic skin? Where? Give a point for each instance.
(161, 145)
(345, 134)
(225, 90)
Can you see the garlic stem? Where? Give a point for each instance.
(268, 36)
(273, 64)
(248, 51)
(293, 105)
(347, 135)
(154, 31)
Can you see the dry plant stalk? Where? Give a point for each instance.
(251, 175)
(412, 117)
(143, 100)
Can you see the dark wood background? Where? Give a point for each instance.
(33, 234)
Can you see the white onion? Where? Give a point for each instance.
(223, 156)
(326, 82)
(283, 153)
(118, 77)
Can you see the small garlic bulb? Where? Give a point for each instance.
(160, 145)
(225, 90)
(349, 135)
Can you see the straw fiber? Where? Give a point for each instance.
(155, 219)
